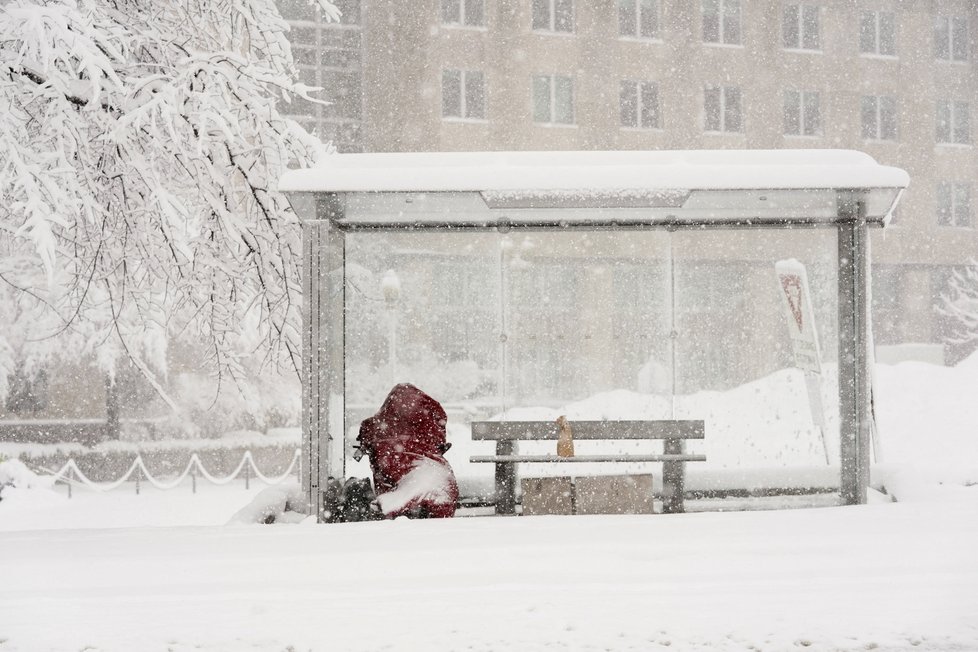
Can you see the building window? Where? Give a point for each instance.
(549, 364)
(327, 55)
(638, 18)
(553, 15)
(721, 21)
(800, 27)
(464, 320)
(802, 113)
(639, 103)
(640, 332)
(953, 122)
(954, 204)
(722, 109)
(888, 285)
(879, 118)
(713, 295)
(877, 33)
(470, 13)
(553, 99)
(463, 94)
(302, 10)
(951, 38)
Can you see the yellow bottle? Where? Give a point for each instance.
(565, 438)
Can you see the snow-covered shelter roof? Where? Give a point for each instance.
(466, 188)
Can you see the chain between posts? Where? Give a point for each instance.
(70, 474)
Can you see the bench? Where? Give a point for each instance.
(506, 434)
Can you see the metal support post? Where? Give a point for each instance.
(323, 373)
(505, 479)
(673, 478)
(854, 418)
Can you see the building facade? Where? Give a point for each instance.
(328, 55)
(894, 78)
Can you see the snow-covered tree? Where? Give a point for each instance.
(961, 304)
(140, 147)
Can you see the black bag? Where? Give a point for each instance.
(350, 501)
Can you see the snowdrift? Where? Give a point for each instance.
(761, 434)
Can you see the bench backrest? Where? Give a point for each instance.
(546, 430)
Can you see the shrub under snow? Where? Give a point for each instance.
(14, 474)
(276, 504)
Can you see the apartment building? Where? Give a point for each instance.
(894, 78)
(328, 55)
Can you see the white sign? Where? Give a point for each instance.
(797, 303)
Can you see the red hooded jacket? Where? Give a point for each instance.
(406, 443)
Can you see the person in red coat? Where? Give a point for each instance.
(405, 442)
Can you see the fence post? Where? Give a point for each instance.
(69, 481)
(193, 478)
(247, 475)
(138, 473)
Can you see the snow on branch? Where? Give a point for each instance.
(961, 304)
(140, 145)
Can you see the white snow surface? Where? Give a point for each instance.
(886, 576)
(15, 475)
(426, 481)
(596, 170)
(278, 502)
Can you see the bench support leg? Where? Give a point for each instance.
(505, 480)
(673, 478)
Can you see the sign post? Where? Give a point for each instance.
(800, 316)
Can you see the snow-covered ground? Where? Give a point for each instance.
(896, 576)
(122, 508)
(117, 571)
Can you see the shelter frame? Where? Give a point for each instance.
(692, 191)
(324, 309)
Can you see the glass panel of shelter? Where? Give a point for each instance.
(735, 365)
(528, 325)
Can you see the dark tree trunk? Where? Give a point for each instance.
(112, 428)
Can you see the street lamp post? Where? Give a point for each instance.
(391, 287)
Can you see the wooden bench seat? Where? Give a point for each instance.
(507, 434)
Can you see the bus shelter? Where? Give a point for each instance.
(681, 227)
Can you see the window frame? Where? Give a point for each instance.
(723, 109)
(551, 6)
(958, 212)
(637, 14)
(802, 33)
(952, 41)
(802, 113)
(463, 15)
(552, 100)
(953, 122)
(722, 27)
(877, 17)
(879, 102)
(639, 86)
(463, 99)
(314, 42)
(459, 308)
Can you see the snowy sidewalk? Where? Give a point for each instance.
(888, 576)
